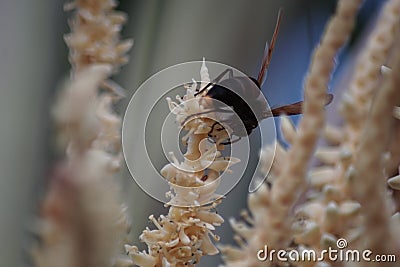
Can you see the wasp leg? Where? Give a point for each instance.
(212, 128)
(224, 143)
(219, 129)
(231, 142)
(210, 136)
(205, 112)
(204, 89)
(216, 80)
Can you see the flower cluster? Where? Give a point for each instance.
(346, 195)
(83, 222)
(95, 34)
(182, 237)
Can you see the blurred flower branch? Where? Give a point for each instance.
(347, 196)
(83, 222)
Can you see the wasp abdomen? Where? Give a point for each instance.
(243, 96)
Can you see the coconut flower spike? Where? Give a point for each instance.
(347, 202)
(79, 228)
(186, 233)
(272, 208)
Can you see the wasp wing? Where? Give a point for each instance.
(268, 51)
(291, 109)
(296, 108)
(262, 75)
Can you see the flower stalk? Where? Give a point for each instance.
(83, 222)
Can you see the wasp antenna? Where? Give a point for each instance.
(268, 51)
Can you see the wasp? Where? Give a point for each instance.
(245, 98)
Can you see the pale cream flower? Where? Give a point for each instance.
(182, 237)
(275, 221)
(83, 222)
